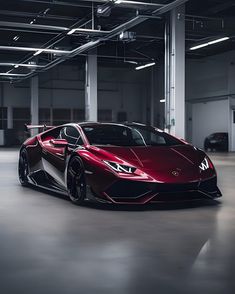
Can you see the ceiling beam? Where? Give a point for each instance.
(219, 8)
(24, 14)
(121, 3)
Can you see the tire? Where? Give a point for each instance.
(76, 182)
(23, 168)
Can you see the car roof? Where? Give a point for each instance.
(90, 124)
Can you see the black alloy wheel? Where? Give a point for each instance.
(23, 168)
(76, 182)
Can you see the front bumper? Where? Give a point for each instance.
(137, 192)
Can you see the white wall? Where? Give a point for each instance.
(207, 118)
(211, 80)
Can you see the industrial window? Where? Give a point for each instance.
(78, 115)
(121, 116)
(21, 116)
(105, 115)
(61, 116)
(3, 118)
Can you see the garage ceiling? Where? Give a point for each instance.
(31, 25)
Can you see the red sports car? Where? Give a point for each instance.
(116, 163)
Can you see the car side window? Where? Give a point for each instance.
(71, 135)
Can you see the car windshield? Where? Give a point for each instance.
(130, 135)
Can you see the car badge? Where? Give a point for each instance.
(175, 173)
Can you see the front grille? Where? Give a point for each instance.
(158, 188)
(127, 189)
(209, 185)
(174, 197)
(133, 189)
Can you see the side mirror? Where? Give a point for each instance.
(59, 143)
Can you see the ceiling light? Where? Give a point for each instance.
(16, 38)
(163, 100)
(71, 32)
(11, 74)
(38, 52)
(103, 11)
(118, 2)
(209, 43)
(145, 65)
(16, 66)
(199, 46)
(131, 61)
(218, 40)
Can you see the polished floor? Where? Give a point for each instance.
(48, 245)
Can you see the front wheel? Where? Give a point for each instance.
(23, 168)
(76, 182)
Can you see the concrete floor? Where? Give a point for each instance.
(48, 245)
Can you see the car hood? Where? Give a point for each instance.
(161, 162)
(157, 157)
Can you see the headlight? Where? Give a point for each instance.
(204, 164)
(120, 168)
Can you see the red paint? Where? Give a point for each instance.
(154, 164)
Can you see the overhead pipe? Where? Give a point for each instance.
(121, 3)
(129, 24)
(32, 26)
(23, 14)
(30, 49)
(169, 7)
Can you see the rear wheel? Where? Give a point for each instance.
(23, 168)
(76, 182)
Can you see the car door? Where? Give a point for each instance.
(55, 157)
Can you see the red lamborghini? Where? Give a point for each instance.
(116, 163)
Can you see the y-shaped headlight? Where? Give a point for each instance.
(120, 168)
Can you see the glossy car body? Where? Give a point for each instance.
(138, 171)
(217, 142)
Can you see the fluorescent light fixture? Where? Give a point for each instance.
(145, 65)
(118, 2)
(209, 43)
(199, 46)
(218, 40)
(71, 32)
(16, 65)
(131, 61)
(163, 100)
(12, 75)
(38, 52)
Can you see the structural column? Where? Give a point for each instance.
(91, 107)
(34, 89)
(175, 72)
(9, 117)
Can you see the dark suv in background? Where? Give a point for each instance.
(216, 142)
